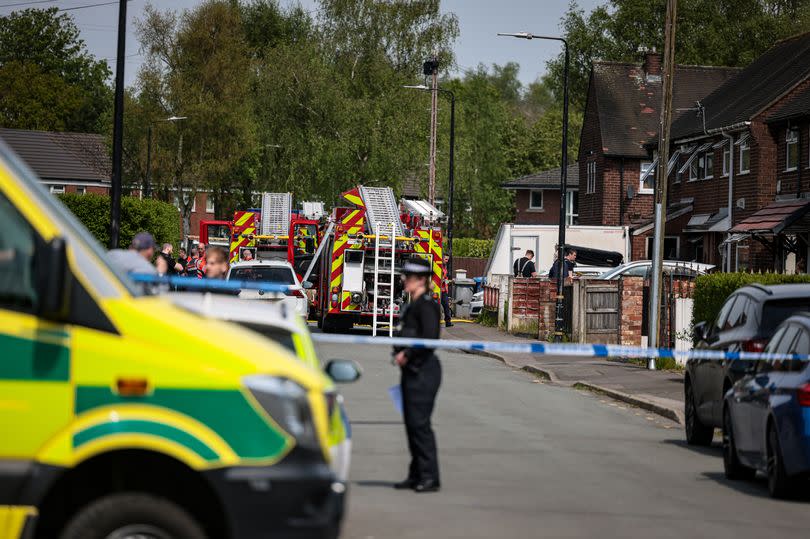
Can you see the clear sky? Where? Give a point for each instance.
(479, 21)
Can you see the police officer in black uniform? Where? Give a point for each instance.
(421, 377)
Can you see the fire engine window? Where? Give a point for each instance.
(353, 257)
(17, 244)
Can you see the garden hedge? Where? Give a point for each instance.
(472, 247)
(161, 219)
(712, 290)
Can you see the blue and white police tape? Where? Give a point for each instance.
(208, 285)
(554, 349)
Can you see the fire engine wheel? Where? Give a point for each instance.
(132, 516)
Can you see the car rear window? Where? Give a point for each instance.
(263, 274)
(276, 334)
(777, 311)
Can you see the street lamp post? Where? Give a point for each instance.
(558, 319)
(147, 184)
(451, 180)
(118, 127)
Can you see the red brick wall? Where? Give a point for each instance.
(790, 180)
(549, 215)
(200, 214)
(590, 149)
(532, 304)
(631, 294)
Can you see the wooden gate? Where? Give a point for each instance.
(598, 312)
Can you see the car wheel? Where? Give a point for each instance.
(696, 432)
(780, 484)
(132, 516)
(731, 463)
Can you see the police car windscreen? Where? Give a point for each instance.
(263, 274)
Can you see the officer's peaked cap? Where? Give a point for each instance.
(417, 266)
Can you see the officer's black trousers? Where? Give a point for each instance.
(446, 307)
(419, 388)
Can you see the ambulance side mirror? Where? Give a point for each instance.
(343, 371)
(54, 279)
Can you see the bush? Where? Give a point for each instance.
(161, 219)
(712, 290)
(472, 247)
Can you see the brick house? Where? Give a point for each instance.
(621, 117)
(537, 197)
(65, 162)
(747, 144)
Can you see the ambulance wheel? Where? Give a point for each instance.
(132, 516)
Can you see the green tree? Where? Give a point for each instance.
(709, 32)
(48, 80)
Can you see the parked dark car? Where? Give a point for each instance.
(767, 414)
(746, 322)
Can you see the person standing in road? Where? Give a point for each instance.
(421, 377)
(182, 259)
(201, 261)
(166, 254)
(569, 263)
(524, 267)
(448, 322)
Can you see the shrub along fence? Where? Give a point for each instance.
(161, 219)
(712, 290)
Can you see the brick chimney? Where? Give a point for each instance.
(652, 63)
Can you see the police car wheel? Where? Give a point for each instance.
(132, 516)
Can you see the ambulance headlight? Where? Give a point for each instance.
(286, 402)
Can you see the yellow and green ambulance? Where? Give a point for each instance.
(123, 416)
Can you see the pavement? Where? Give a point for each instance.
(521, 457)
(660, 392)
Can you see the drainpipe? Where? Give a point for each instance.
(799, 162)
(621, 192)
(730, 139)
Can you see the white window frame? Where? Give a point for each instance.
(726, 159)
(209, 204)
(177, 202)
(569, 207)
(745, 147)
(531, 206)
(81, 189)
(590, 186)
(708, 171)
(642, 168)
(57, 189)
(791, 139)
(694, 170)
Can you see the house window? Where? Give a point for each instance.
(726, 159)
(745, 158)
(185, 199)
(80, 190)
(791, 149)
(648, 185)
(536, 199)
(57, 189)
(708, 165)
(696, 169)
(209, 204)
(672, 246)
(591, 184)
(572, 207)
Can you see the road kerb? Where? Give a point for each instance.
(669, 412)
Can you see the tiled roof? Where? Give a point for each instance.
(776, 217)
(546, 179)
(751, 90)
(61, 156)
(797, 107)
(628, 101)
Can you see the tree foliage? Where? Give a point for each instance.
(709, 32)
(48, 80)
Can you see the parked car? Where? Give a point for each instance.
(271, 271)
(279, 324)
(641, 268)
(477, 304)
(766, 423)
(746, 322)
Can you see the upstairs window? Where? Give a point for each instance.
(536, 199)
(726, 160)
(572, 207)
(591, 183)
(708, 165)
(791, 150)
(745, 158)
(647, 185)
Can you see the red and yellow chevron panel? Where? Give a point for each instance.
(244, 224)
(354, 197)
(430, 246)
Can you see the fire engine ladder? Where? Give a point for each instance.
(381, 208)
(385, 238)
(276, 208)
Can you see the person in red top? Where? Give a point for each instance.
(201, 261)
(446, 293)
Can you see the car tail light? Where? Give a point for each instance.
(295, 293)
(803, 395)
(754, 345)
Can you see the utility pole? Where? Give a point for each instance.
(432, 65)
(118, 127)
(661, 178)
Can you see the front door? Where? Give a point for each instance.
(35, 390)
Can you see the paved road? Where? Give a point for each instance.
(524, 459)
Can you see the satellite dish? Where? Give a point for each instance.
(631, 192)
